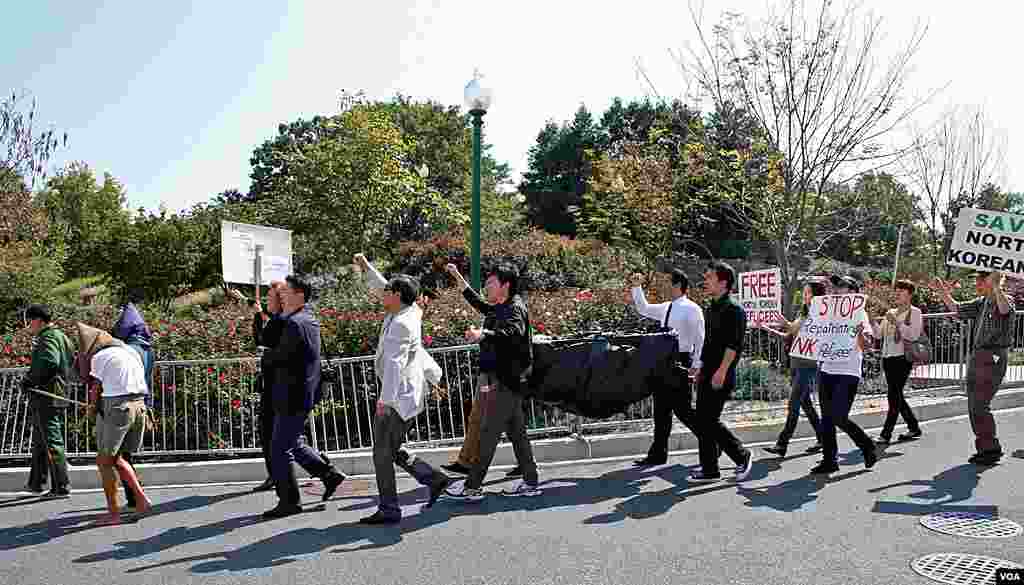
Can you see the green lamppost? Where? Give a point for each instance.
(478, 99)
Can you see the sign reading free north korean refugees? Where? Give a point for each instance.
(988, 240)
(829, 333)
(761, 295)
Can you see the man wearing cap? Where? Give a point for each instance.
(993, 316)
(50, 371)
(295, 389)
(837, 388)
(116, 379)
(674, 395)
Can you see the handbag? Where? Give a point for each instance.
(918, 351)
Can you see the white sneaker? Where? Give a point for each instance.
(743, 471)
(521, 489)
(459, 491)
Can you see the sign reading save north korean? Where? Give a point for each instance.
(988, 240)
(761, 295)
(829, 333)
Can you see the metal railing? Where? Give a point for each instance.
(210, 407)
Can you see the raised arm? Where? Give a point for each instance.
(374, 279)
(472, 297)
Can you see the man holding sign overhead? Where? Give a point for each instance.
(993, 316)
(835, 333)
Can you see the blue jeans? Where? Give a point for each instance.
(800, 397)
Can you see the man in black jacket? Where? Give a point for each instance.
(295, 384)
(505, 358)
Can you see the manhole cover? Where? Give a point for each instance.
(971, 525)
(960, 569)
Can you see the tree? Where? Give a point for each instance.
(811, 81)
(24, 150)
(341, 192)
(951, 166)
(30, 256)
(81, 209)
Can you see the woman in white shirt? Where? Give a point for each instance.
(904, 323)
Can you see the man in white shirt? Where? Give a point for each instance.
(400, 367)
(116, 379)
(675, 395)
(837, 388)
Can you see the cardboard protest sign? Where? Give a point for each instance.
(829, 331)
(761, 295)
(988, 240)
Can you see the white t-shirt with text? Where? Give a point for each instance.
(120, 372)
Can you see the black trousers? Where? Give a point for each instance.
(674, 395)
(713, 436)
(897, 371)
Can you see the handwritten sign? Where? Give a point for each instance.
(988, 240)
(238, 252)
(761, 295)
(829, 331)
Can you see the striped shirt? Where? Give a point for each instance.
(995, 330)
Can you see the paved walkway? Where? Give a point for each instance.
(595, 524)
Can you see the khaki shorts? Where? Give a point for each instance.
(122, 425)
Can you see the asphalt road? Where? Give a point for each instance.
(595, 524)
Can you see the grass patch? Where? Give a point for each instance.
(69, 291)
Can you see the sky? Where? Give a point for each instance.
(171, 98)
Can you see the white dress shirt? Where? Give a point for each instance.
(687, 319)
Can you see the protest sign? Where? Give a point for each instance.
(829, 333)
(761, 295)
(239, 244)
(988, 240)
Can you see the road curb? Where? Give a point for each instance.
(561, 451)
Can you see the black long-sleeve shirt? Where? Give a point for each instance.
(725, 327)
(505, 346)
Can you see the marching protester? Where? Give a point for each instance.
(993, 316)
(903, 323)
(131, 328)
(674, 395)
(115, 377)
(293, 367)
(506, 356)
(837, 388)
(401, 366)
(804, 376)
(725, 327)
(49, 371)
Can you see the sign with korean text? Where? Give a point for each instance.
(988, 240)
(829, 333)
(761, 295)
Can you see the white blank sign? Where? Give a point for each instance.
(238, 243)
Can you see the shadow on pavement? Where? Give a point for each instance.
(956, 484)
(49, 528)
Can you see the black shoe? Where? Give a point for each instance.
(870, 458)
(650, 461)
(437, 489)
(378, 518)
(57, 494)
(266, 486)
(35, 489)
(986, 457)
(456, 468)
(909, 436)
(282, 511)
(815, 448)
(824, 468)
(516, 471)
(883, 441)
(331, 483)
(701, 477)
(779, 450)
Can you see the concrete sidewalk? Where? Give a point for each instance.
(869, 413)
